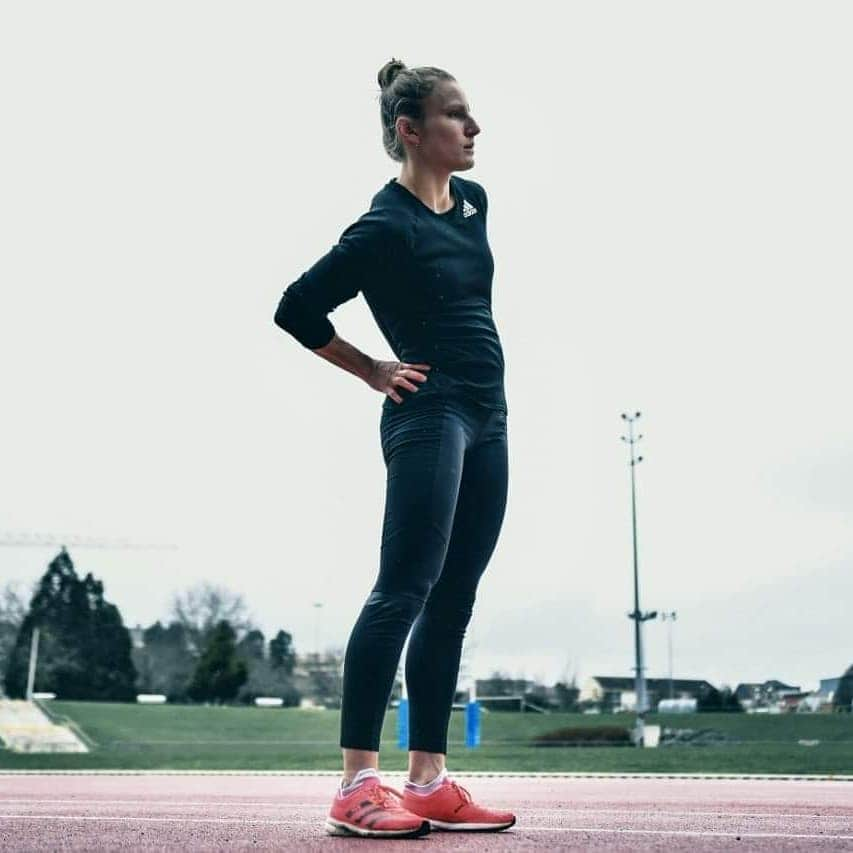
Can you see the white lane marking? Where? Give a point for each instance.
(601, 830)
(638, 812)
(702, 832)
(137, 819)
(480, 774)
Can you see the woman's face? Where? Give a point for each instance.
(447, 131)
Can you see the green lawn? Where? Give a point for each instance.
(193, 737)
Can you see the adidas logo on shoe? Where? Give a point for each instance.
(468, 209)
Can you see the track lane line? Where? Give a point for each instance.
(519, 831)
(321, 806)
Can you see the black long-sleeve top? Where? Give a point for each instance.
(427, 279)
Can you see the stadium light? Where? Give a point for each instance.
(637, 615)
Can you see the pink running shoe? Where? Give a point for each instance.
(373, 810)
(450, 807)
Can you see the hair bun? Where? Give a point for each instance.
(389, 71)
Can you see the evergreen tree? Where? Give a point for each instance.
(165, 663)
(12, 609)
(251, 647)
(709, 699)
(566, 695)
(220, 672)
(843, 697)
(282, 654)
(84, 647)
(728, 700)
(266, 680)
(268, 676)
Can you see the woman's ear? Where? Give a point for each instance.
(407, 131)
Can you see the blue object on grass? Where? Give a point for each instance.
(472, 724)
(403, 724)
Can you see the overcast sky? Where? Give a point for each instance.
(670, 214)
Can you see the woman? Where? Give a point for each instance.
(421, 258)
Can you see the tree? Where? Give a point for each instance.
(728, 699)
(84, 647)
(566, 695)
(267, 680)
(711, 699)
(12, 609)
(268, 676)
(202, 607)
(251, 647)
(165, 662)
(282, 654)
(843, 696)
(220, 672)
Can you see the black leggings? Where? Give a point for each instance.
(446, 463)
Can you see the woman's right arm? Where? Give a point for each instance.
(337, 277)
(384, 376)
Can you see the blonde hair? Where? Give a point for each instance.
(403, 91)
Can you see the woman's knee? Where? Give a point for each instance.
(394, 607)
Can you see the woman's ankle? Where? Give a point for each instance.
(425, 767)
(356, 760)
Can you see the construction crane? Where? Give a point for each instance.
(41, 540)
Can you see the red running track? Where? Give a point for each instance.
(281, 812)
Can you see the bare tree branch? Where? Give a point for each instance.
(201, 607)
(13, 607)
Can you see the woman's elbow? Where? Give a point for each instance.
(312, 329)
(281, 316)
(290, 313)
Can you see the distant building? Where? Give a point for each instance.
(766, 694)
(794, 701)
(827, 688)
(615, 693)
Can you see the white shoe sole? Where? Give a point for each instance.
(337, 827)
(471, 827)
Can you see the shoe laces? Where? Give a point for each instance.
(384, 795)
(463, 793)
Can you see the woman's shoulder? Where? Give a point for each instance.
(382, 221)
(468, 182)
(387, 219)
(474, 189)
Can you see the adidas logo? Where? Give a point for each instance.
(468, 209)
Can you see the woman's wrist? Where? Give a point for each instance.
(345, 355)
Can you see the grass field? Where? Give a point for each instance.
(234, 738)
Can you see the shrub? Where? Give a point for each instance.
(585, 736)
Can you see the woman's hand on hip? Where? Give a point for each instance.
(387, 376)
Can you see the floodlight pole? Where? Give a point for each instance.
(636, 614)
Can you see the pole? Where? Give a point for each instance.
(472, 716)
(403, 718)
(670, 617)
(317, 606)
(638, 616)
(31, 675)
(640, 684)
(671, 688)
